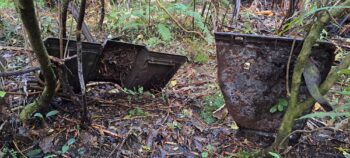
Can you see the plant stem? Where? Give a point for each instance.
(27, 13)
(294, 109)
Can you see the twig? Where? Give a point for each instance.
(104, 131)
(19, 72)
(3, 124)
(13, 48)
(17, 108)
(288, 66)
(177, 23)
(120, 145)
(16, 146)
(306, 131)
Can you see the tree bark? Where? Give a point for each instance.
(27, 13)
(102, 15)
(84, 118)
(294, 109)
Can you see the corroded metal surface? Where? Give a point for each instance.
(252, 75)
(133, 65)
(91, 53)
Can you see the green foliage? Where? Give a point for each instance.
(201, 58)
(65, 148)
(5, 4)
(174, 125)
(48, 27)
(161, 28)
(8, 152)
(211, 103)
(280, 106)
(137, 112)
(340, 111)
(10, 33)
(2, 94)
(52, 113)
(164, 32)
(34, 153)
(153, 42)
(247, 25)
(49, 114)
(135, 92)
(275, 155)
(246, 154)
(38, 115)
(204, 154)
(307, 14)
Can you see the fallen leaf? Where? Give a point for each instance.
(265, 13)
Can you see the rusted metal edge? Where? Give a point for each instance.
(264, 38)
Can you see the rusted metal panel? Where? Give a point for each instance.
(133, 65)
(252, 75)
(128, 64)
(91, 54)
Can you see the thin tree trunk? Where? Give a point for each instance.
(102, 15)
(27, 13)
(84, 118)
(293, 110)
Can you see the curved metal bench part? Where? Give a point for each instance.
(252, 75)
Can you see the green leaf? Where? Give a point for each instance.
(52, 113)
(344, 72)
(39, 115)
(283, 102)
(325, 114)
(71, 141)
(343, 107)
(344, 92)
(164, 32)
(33, 153)
(273, 109)
(201, 58)
(65, 149)
(280, 107)
(275, 155)
(210, 148)
(50, 156)
(204, 154)
(2, 94)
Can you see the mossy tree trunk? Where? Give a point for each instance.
(295, 108)
(27, 13)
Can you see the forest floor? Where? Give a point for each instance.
(176, 122)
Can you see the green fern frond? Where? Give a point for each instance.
(164, 32)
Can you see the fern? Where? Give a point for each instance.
(340, 111)
(164, 32)
(326, 114)
(198, 21)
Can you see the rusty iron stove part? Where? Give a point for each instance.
(252, 75)
(133, 66)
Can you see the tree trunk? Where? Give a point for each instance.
(84, 118)
(26, 10)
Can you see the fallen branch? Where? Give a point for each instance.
(19, 72)
(102, 129)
